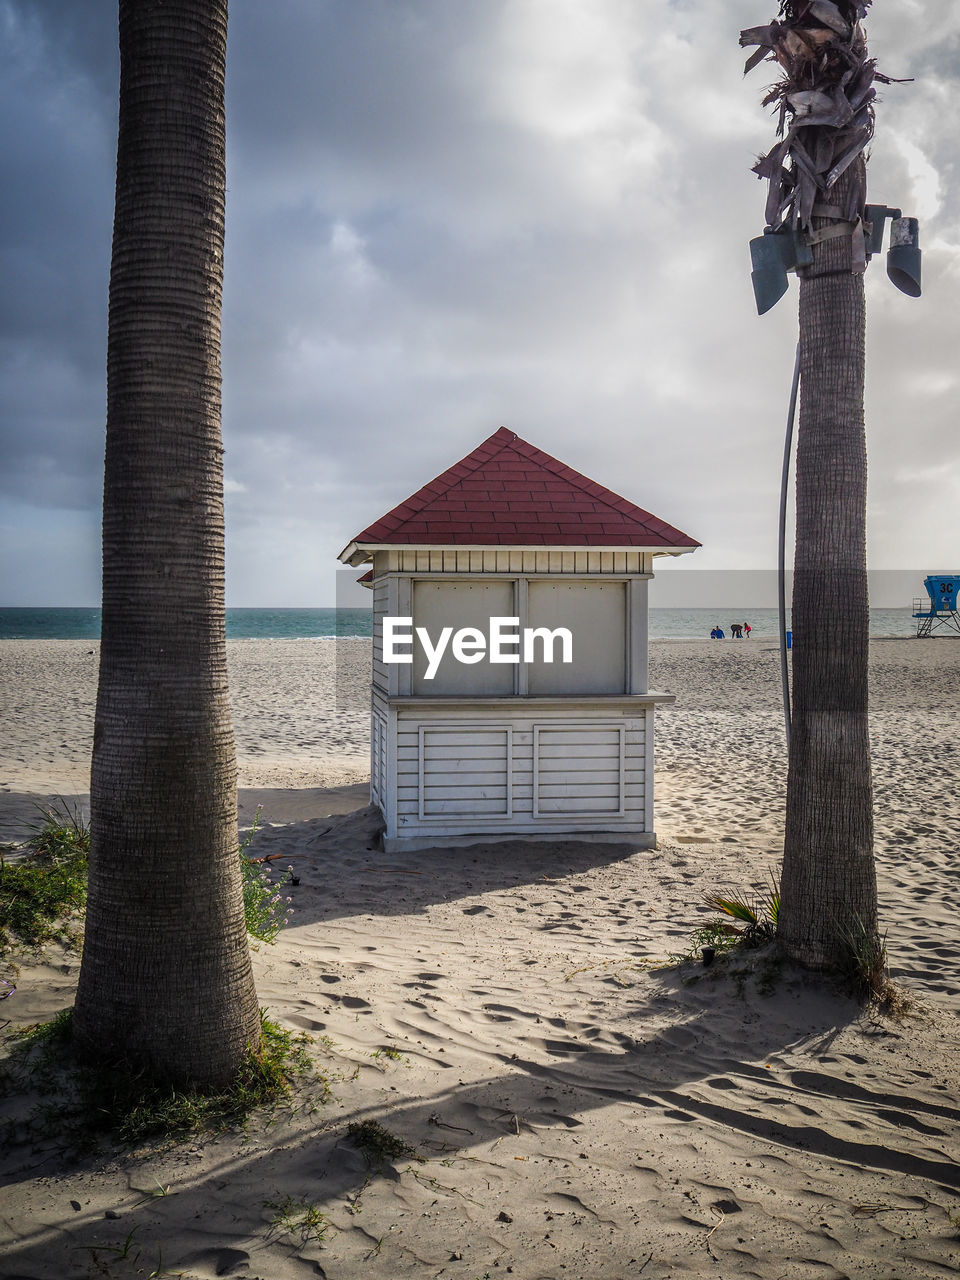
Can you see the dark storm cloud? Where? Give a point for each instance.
(57, 103)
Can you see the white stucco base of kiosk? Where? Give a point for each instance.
(636, 840)
(455, 771)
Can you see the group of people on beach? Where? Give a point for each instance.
(738, 631)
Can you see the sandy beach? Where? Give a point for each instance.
(578, 1107)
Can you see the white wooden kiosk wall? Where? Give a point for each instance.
(526, 750)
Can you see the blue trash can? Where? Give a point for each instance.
(789, 639)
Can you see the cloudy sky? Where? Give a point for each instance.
(445, 216)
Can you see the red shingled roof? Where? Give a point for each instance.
(506, 493)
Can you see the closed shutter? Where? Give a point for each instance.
(578, 770)
(378, 759)
(464, 771)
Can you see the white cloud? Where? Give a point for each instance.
(926, 199)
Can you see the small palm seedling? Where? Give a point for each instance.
(756, 916)
(748, 920)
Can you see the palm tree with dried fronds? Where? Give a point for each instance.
(817, 190)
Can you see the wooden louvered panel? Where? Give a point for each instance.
(579, 770)
(480, 781)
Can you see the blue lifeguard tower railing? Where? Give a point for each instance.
(941, 612)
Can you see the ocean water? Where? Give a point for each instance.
(296, 624)
(696, 624)
(242, 624)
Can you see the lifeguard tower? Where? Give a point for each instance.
(500, 739)
(941, 613)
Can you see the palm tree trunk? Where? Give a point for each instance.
(829, 879)
(166, 980)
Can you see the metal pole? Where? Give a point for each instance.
(781, 587)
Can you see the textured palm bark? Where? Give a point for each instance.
(166, 979)
(829, 878)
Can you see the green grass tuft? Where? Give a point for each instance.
(82, 1104)
(864, 970)
(42, 891)
(298, 1217)
(377, 1143)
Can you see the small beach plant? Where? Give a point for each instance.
(377, 1143)
(81, 1103)
(748, 920)
(717, 936)
(864, 966)
(298, 1217)
(42, 888)
(756, 914)
(61, 830)
(265, 909)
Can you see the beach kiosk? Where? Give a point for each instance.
(509, 691)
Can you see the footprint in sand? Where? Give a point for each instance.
(221, 1261)
(562, 1048)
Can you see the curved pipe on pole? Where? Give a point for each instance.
(781, 575)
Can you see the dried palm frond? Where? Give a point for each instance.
(824, 107)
